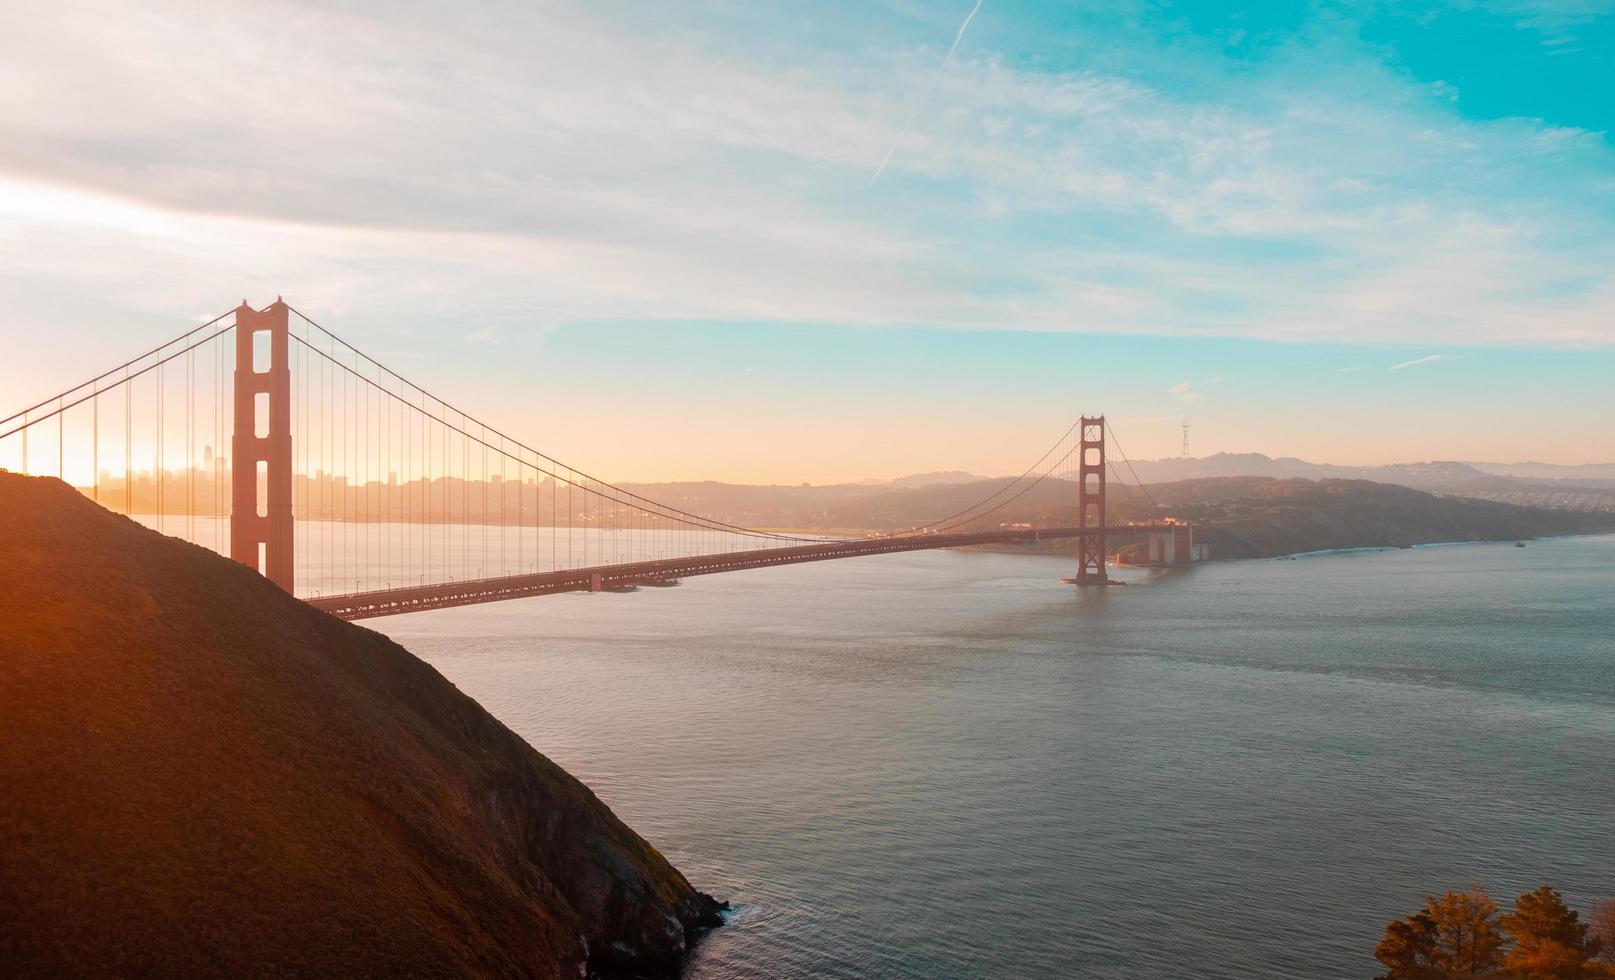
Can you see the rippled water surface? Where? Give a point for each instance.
(948, 765)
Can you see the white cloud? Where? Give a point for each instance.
(1179, 388)
(542, 162)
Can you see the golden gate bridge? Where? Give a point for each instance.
(367, 495)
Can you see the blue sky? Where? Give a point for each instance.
(594, 219)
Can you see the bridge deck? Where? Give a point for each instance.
(389, 602)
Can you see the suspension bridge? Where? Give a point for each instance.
(365, 494)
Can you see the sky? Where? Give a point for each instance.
(782, 242)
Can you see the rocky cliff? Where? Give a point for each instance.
(201, 776)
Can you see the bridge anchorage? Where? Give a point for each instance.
(365, 494)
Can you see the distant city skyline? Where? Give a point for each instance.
(851, 242)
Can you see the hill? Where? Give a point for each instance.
(1604, 472)
(925, 497)
(935, 477)
(202, 776)
(1240, 516)
(1584, 488)
(1257, 517)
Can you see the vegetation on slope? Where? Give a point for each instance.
(201, 776)
(1465, 934)
(1256, 517)
(1240, 517)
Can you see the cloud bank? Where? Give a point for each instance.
(549, 161)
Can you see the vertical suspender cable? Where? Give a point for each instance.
(128, 446)
(406, 420)
(482, 476)
(162, 449)
(190, 445)
(158, 469)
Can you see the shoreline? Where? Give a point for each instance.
(1510, 542)
(1313, 553)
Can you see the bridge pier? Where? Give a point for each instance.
(1172, 544)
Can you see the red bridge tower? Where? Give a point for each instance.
(1091, 503)
(261, 448)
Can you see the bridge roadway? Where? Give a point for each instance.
(417, 598)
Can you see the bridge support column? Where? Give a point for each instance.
(1091, 503)
(261, 521)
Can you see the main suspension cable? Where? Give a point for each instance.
(586, 477)
(1111, 433)
(683, 517)
(1001, 491)
(121, 381)
(126, 364)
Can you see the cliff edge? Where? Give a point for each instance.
(202, 776)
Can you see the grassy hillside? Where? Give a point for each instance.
(201, 776)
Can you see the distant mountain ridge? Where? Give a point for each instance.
(935, 478)
(923, 497)
(1434, 471)
(1578, 488)
(1550, 471)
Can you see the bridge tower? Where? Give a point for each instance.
(1091, 502)
(261, 446)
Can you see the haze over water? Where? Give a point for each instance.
(944, 764)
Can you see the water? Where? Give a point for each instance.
(335, 557)
(948, 765)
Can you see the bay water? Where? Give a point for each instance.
(948, 764)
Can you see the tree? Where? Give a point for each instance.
(1601, 931)
(1453, 936)
(1549, 939)
(1468, 942)
(1409, 948)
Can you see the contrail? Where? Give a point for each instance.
(927, 97)
(1418, 361)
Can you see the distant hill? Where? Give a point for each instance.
(1224, 464)
(1247, 516)
(200, 776)
(1604, 472)
(936, 478)
(1259, 517)
(1240, 516)
(1529, 484)
(1531, 510)
(923, 497)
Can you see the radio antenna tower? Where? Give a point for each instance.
(1185, 437)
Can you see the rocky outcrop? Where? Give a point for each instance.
(201, 776)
